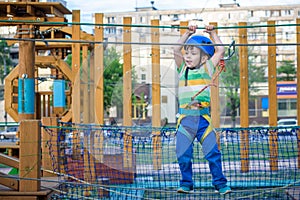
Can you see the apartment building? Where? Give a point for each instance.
(226, 15)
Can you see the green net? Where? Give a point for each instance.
(115, 162)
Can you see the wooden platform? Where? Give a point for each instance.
(293, 193)
(46, 183)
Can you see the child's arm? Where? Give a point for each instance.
(177, 49)
(219, 50)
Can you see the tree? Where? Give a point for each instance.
(286, 71)
(231, 81)
(113, 72)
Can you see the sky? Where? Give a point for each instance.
(89, 7)
(102, 6)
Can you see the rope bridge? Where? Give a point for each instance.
(116, 162)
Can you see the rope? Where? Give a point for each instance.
(136, 25)
(138, 43)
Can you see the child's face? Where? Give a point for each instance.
(192, 57)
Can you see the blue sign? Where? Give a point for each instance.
(287, 89)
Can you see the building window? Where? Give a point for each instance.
(282, 105)
(267, 13)
(252, 107)
(164, 99)
(142, 19)
(287, 107)
(143, 78)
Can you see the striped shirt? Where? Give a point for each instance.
(197, 79)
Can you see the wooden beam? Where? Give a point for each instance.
(54, 11)
(30, 10)
(64, 67)
(9, 181)
(272, 83)
(215, 102)
(127, 92)
(9, 161)
(99, 71)
(30, 156)
(156, 103)
(85, 86)
(76, 67)
(45, 60)
(127, 72)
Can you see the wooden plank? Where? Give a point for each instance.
(156, 95)
(76, 108)
(215, 102)
(99, 71)
(85, 86)
(48, 182)
(8, 94)
(87, 36)
(30, 156)
(54, 11)
(45, 60)
(30, 10)
(127, 73)
(9, 181)
(127, 91)
(215, 98)
(272, 83)
(27, 67)
(9, 161)
(67, 116)
(64, 67)
(44, 6)
(243, 62)
(92, 86)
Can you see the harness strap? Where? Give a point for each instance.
(194, 112)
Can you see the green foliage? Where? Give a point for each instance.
(113, 72)
(286, 71)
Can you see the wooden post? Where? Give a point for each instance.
(50, 146)
(298, 87)
(244, 99)
(156, 104)
(30, 156)
(97, 138)
(85, 86)
(76, 67)
(76, 97)
(92, 86)
(127, 91)
(215, 102)
(99, 70)
(26, 83)
(273, 144)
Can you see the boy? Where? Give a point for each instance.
(196, 68)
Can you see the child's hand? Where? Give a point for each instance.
(209, 29)
(192, 29)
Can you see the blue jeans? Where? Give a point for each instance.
(192, 127)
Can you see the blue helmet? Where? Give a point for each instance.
(199, 39)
